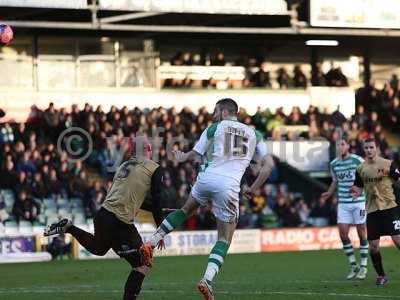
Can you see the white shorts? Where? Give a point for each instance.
(221, 192)
(351, 213)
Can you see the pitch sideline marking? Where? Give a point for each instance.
(254, 293)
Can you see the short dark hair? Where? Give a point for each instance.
(345, 137)
(229, 104)
(370, 140)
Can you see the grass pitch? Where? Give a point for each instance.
(300, 275)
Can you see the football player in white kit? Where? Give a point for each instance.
(229, 147)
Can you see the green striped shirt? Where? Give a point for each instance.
(344, 173)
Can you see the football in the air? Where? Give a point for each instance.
(6, 34)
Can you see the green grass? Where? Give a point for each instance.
(300, 275)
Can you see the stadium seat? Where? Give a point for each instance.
(49, 202)
(37, 228)
(8, 193)
(318, 222)
(62, 202)
(25, 227)
(50, 211)
(9, 202)
(79, 219)
(64, 211)
(51, 219)
(42, 218)
(77, 210)
(11, 227)
(76, 201)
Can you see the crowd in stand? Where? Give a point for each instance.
(33, 168)
(258, 73)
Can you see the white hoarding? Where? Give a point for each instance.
(258, 7)
(307, 156)
(355, 13)
(75, 4)
(195, 243)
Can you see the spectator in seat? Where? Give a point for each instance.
(262, 77)
(55, 187)
(5, 151)
(21, 184)
(25, 208)
(58, 247)
(8, 176)
(257, 202)
(187, 59)
(168, 194)
(335, 77)
(95, 203)
(108, 157)
(25, 164)
(64, 176)
(292, 218)
(299, 79)
(80, 188)
(45, 171)
(318, 77)
(245, 218)
(51, 122)
(394, 82)
(321, 210)
(303, 211)
(361, 118)
(283, 78)
(394, 115)
(20, 134)
(95, 189)
(182, 195)
(38, 187)
(219, 60)
(35, 118)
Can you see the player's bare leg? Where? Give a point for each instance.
(376, 259)
(172, 221)
(216, 258)
(348, 250)
(362, 234)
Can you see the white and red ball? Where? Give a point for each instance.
(6, 34)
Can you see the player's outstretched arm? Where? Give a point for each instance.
(182, 156)
(267, 164)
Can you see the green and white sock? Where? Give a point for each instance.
(172, 221)
(215, 260)
(364, 253)
(348, 249)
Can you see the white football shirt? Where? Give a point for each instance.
(229, 146)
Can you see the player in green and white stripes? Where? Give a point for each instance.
(232, 145)
(350, 211)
